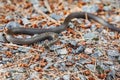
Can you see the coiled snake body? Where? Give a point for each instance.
(52, 31)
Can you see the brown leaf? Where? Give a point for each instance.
(102, 76)
(43, 63)
(23, 65)
(101, 6)
(83, 56)
(91, 78)
(20, 21)
(87, 72)
(7, 74)
(39, 69)
(8, 54)
(68, 63)
(34, 25)
(27, 5)
(71, 31)
(80, 4)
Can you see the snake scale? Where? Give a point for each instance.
(51, 32)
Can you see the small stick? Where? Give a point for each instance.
(86, 16)
(39, 11)
(47, 5)
(21, 46)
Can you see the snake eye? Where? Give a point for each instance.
(3, 35)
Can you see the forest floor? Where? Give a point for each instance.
(86, 50)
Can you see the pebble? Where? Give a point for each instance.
(60, 66)
(73, 42)
(25, 21)
(4, 59)
(116, 19)
(84, 61)
(24, 50)
(48, 65)
(57, 78)
(34, 15)
(2, 37)
(97, 54)
(15, 76)
(55, 16)
(13, 24)
(79, 21)
(96, 1)
(90, 8)
(0, 45)
(1, 64)
(1, 55)
(82, 77)
(33, 75)
(90, 36)
(119, 59)
(48, 59)
(66, 77)
(80, 49)
(62, 51)
(104, 66)
(9, 17)
(69, 57)
(86, 0)
(111, 34)
(63, 64)
(107, 8)
(93, 27)
(108, 62)
(42, 8)
(103, 40)
(55, 47)
(79, 65)
(73, 51)
(88, 50)
(28, 16)
(111, 75)
(71, 25)
(20, 70)
(5, 49)
(113, 53)
(63, 41)
(15, 51)
(34, 2)
(91, 67)
(33, 66)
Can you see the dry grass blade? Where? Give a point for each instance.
(49, 18)
(47, 5)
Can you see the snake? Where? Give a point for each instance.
(39, 37)
(52, 32)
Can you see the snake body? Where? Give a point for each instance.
(47, 35)
(62, 27)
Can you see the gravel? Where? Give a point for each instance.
(96, 48)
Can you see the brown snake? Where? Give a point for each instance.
(51, 32)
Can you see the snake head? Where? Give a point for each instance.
(7, 31)
(48, 44)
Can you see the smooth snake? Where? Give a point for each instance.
(51, 32)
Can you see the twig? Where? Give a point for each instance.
(39, 11)
(47, 5)
(86, 16)
(21, 46)
(117, 4)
